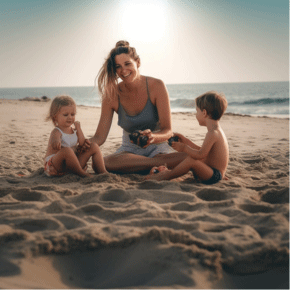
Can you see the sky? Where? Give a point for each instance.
(56, 43)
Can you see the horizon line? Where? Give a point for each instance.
(165, 84)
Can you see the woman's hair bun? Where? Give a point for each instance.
(122, 43)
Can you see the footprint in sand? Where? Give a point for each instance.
(253, 160)
(34, 225)
(148, 184)
(27, 195)
(187, 206)
(275, 196)
(70, 222)
(212, 195)
(118, 195)
(256, 208)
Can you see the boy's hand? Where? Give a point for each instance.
(56, 145)
(178, 146)
(180, 136)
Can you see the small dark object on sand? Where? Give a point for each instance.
(138, 139)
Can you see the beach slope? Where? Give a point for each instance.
(119, 231)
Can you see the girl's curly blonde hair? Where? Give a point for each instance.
(57, 103)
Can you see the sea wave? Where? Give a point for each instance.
(183, 103)
(263, 101)
(186, 103)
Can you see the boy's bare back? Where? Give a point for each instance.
(218, 156)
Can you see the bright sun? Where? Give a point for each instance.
(143, 20)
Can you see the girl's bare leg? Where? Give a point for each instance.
(66, 160)
(97, 158)
(129, 163)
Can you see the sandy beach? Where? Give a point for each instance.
(119, 231)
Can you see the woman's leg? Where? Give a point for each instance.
(66, 160)
(128, 163)
(97, 158)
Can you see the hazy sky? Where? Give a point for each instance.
(64, 42)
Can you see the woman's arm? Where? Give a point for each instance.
(159, 96)
(105, 123)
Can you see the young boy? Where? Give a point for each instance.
(208, 162)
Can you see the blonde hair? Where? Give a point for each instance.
(57, 103)
(214, 103)
(107, 76)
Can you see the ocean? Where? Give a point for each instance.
(253, 98)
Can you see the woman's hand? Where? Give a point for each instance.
(148, 133)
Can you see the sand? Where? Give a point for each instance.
(119, 231)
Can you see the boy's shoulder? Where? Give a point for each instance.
(216, 132)
(214, 129)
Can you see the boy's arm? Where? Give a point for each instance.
(80, 134)
(186, 141)
(200, 153)
(192, 145)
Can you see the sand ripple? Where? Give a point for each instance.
(121, 231)
(194, 226)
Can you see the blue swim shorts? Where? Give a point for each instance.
(216, 177)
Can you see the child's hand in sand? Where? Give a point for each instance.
(178, 146)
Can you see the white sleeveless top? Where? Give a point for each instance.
(68, 140)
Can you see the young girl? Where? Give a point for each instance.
(61, 155)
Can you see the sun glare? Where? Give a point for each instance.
(143, 20)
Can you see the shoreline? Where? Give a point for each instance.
(121, 231)
(173, 111)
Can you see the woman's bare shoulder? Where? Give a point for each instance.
(121, 86)
(155, 81)
(111, 103)
(156, 85)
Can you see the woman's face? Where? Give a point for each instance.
(126, 67)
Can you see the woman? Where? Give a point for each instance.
(142, 103)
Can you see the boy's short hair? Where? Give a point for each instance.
(214, 103)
